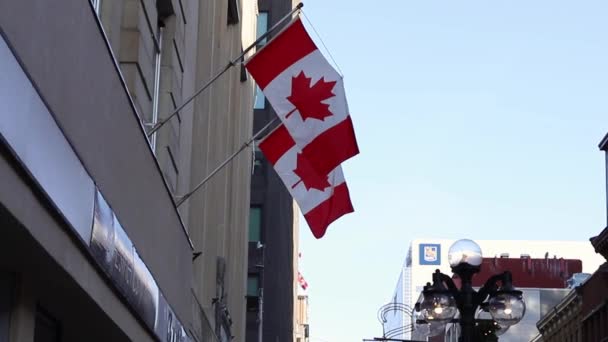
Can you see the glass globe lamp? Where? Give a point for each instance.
(465, 251)
(438, 306)
(497, 328)
(507, 307)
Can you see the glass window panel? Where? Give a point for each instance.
(262, 27)
(255, 224)
(253, 285)
(260, 99)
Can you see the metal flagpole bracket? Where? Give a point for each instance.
(181, 199)
(230, 64)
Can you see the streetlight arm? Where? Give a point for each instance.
(491, 286)
(444, 278)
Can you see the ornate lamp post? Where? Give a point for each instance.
(442, 300)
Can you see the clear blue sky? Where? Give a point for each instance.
(476, 119)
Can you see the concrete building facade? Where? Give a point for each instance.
(93, 246)
(301, 331)
(273, 230)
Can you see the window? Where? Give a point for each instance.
(255, 224)
(156, 95)
(262, 27)
(253, 293)
(233, 12)
(257, 164)
(253, 285)
(260, 99)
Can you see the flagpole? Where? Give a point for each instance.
(230, 64)
(183, 198)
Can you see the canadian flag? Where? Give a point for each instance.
(308, 96)
(321, 198)
(302, 281)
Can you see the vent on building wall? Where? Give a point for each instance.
(233, 12)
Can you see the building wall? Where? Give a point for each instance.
(197, 41)
(604, 147)
(563, 321)
(103, 96)
(594, 310)
(397, 320)
(301, 331)
(77, 97)
(218, 214)
(300, 311)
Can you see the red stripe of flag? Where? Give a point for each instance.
(286, 48)
(332, 147)
(333, 208)
(276, 144)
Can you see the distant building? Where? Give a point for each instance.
(552, 263)
(301, 331)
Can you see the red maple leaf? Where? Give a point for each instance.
(308, 100)
(308, 175)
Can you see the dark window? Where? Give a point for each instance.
(253, 292)
(47, 328)
(253, 285)
(233, 12)
(255, 224)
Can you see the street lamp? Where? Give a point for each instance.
(442, 299)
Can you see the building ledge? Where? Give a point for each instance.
(571, 302)
(600, 243)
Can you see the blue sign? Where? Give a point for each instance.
(430, 254)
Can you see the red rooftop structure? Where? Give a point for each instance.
(529, 272)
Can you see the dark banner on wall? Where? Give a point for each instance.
(114, 251)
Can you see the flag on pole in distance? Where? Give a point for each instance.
(321, 198)
(308, 95)
(302, 281)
